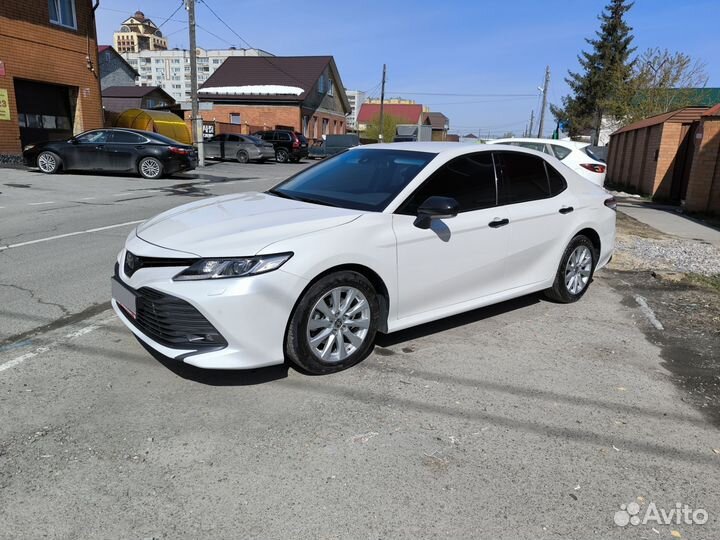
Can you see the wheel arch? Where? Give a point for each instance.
(368, 273)
(593, 236)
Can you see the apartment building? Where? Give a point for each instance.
(138, 33)
(356, 99)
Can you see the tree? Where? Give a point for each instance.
(662, 81)
(606, 69)
(372, 131)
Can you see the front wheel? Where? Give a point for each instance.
(150, 168)
(575, 271)
(48, 162)
(281, 155)
(334, 324)
(242, 156)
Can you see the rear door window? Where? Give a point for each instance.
(522, 178)
(560, 151)
(233, 138)
(557, 181)
(127, 137)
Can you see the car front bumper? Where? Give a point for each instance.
(250, 313)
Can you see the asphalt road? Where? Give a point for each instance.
(523, 420)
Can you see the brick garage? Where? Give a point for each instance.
(654, 156)
(703, 194)
(39, 54)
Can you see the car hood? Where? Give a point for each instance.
(238, 225)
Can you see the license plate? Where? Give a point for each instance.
(124, 296)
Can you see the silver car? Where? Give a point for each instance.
(242, 148)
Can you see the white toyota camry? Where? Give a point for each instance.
(376, 239)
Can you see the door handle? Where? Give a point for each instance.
(99, 147)
(140, 146)
(497, 222)
(566, 209)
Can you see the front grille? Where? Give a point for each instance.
(173, 322)
(133, 263)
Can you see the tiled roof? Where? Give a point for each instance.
(436, 119)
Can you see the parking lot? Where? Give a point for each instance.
(527, 419)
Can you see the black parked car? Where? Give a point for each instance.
(118, 150)
(289, 145)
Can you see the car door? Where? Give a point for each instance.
(457, 259)
(533, 196)
(231, 147)
(213, 147)
(124, 149)
(87, 151)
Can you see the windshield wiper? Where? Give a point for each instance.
(300, 199)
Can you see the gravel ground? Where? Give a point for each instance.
(639, 247)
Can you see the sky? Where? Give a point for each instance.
(478, 62)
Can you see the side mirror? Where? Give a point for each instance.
(435, 208)
(73, 141)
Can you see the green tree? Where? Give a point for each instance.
(606, 68)
(372, 131)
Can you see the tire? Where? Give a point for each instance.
(150, 168)
(313, 346)
(49, 162)
(242, 156)
(575, 271)
(281, 155)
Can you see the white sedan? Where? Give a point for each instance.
(576, 155)
(376, 239)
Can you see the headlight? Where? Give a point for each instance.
(233, 267)
(28, 147)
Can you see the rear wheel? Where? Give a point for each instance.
(281, 155)
(242, 156)
(150, 168)
(49, 162)
(334, 324)
(575, 271)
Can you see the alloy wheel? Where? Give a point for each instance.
(47, 162)
(578, 270)
(150, 168)
(338, 324)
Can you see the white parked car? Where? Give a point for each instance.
(576, 155)
(376, 239)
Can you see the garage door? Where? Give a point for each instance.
(44, 111)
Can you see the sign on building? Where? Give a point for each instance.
(4, 105)
(208, 130)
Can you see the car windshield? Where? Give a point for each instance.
(365, 179)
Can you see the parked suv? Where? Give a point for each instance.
(289, 145)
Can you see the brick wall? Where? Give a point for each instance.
(669, 144)
(32, 48)
(703, 194)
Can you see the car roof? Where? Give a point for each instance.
(566, 144)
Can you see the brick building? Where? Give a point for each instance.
(303, 93)
(49, 84)
(703, 193)
(653, 156)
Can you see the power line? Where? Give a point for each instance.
(182, 2)
(214, 35)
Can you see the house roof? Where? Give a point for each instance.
(410, 114)
(436, 119)
(470, 136)
(713, 111)
(103, 48)
(134, 92)
(111, 50)
(271, 72)
(679, 116)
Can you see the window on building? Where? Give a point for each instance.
(305, 122)
(234, 118)
(62, 12)
(321, 84)
(331, 90)
(325, 124)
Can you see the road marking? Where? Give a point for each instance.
(45, 348)
(66, 235)
(649, 313)
(39, 203)
(87, 198)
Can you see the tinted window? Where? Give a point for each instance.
(233, 138)
(217, 138)
(539, 147)
(127, 137)
(363, 179)
(523, 178)
(560, 151)
(163, 139)
(94, 137)
(557, 182)
(284, 136)
(468, 179)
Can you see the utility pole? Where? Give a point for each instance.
(196, 120)
(546, 86)
(532, 120)
(382, 105)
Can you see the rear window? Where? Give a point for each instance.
(598, 153)
(164, 139)
(560, 151)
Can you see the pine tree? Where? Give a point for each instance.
(606, 69)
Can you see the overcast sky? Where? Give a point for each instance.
(490, 54)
